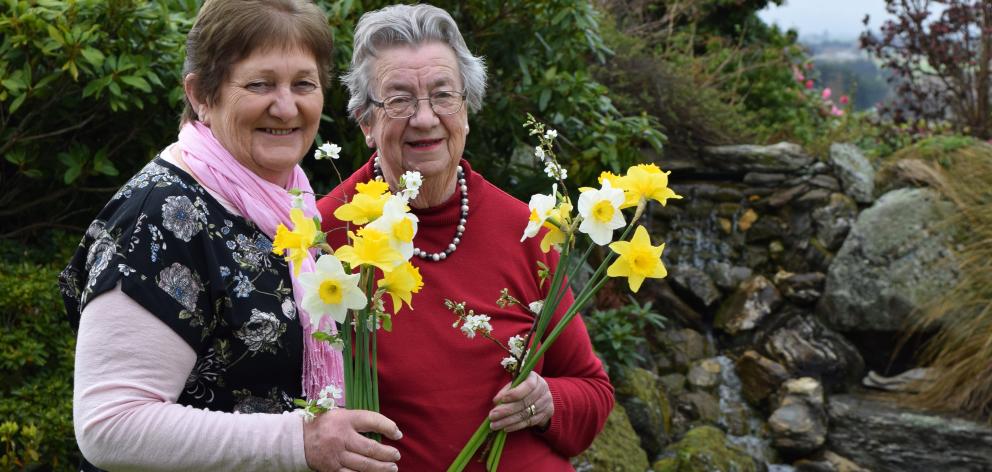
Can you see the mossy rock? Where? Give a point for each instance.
(705, 449)
(643, 397)
(616, 449)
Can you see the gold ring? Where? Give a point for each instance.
(531, 410)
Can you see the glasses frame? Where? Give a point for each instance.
(416, 105)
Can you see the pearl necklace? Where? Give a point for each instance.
(459, 230)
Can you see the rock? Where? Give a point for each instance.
(674, 384)
(714, 192)
(766, 228)
(827, 461)
(669, 303)
(699, 406)
(643, 397)
(834, 220)
(806, 347)
(802, 289)
(727, 276)
(760, 376)
(895, 259)
(781, 157)
(825, 181)
(683, 346)
(704, 374)
(705, 449)
(748, 306)
(694, 284)
(764, 178)
(813, 198)
(614, 449)
(855, 172)
(799, 424)
(879, 435)
(783, 197)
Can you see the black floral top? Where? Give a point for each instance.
(209, 275)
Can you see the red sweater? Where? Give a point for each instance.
(437, 384)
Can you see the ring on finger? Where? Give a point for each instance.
(531, 410)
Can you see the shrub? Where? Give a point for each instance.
(617, 333)
(36, 357)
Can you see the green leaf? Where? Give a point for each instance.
(18, 102)
(55, 35)
(136, 82)
(94, 86)
(72, 174)
(102, 165)
(94, 56)
(114, 88)
(542, 101)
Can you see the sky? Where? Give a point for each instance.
(839, 19)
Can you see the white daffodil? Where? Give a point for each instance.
(329, 291)
(398, 224)
(541, 207)
(600, 211)
(411, 181)
(327, 151)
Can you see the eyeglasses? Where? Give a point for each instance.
(445, 102)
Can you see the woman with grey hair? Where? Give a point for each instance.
(413, 83)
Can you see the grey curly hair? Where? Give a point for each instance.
(407, 25)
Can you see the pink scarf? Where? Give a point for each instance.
(265, 204)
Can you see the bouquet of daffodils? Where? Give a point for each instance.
(348, 285)
(599, 215)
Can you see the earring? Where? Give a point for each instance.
(466, 128)
(369, 141)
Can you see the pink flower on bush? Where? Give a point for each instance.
(844, 100)
(797, 74)
(809, 84)
(826, 93)
(836, 111)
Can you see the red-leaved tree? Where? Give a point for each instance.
(939, 54)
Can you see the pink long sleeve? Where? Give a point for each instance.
(130, 369)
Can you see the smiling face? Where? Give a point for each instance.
(268, 112)
(424, 142)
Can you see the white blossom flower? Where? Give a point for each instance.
(539, 152)
(509, 363)
(541, 207)
(411, 182)
(550, 134)
(327, 151)
(536, 306)
(328, 397)
(555, 171)
(600, 211)
(329, 291)
(297, 201)
(516, 344)
(307, 415)
(476, 324)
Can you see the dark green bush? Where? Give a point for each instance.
(36, 356)
(617, 333)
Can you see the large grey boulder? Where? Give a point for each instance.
(856, 174)
(799, 424)
(882, 437)
(781, 157)
(894, 260)
(804, 346)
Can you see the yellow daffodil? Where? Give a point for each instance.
(541, 207)
(646, 181)
(600, 211)
(295, 244)
(329, 291)
(398, 224)
(370, 247)
(401, 283)
(637, 260)
(561, 216)
(366, 205)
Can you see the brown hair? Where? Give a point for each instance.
(227, 31)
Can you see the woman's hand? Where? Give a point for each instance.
(528, 404)
(333, 442)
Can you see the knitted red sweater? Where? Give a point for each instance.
(438, 385)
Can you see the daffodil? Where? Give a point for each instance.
(648, 182)
(555, 237)
(370, 247)
(398, 224)
(600, 211)
(295, 244)
(637, 259)
(330, 291)
(401, 283)
(541, 206)
(366, 205)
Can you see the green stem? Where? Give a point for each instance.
(473, 444)
(492, 462)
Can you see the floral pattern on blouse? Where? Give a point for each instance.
(207, 274)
